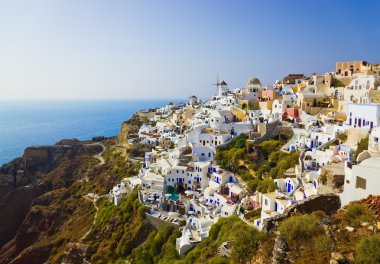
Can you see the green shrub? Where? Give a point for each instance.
(324, 178)
(300, 227)
(337, 83)
(270, 146)
(266, 185)
(322, 243)
(245, 241)
(342, 137)
(254, 214)
(363, 145)
(252, 184)
(368, 250)
(244, 245)
(240, 143)
(357, 213)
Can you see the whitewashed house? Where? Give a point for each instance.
(358, 90)
(363, 179)
(363, 115)
(194, 232)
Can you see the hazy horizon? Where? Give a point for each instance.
(91, 50)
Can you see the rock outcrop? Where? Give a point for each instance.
(76, 252)
(281, 251)
(130, 128)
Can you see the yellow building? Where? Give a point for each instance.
(240, 114)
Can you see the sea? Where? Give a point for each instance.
(30, 123)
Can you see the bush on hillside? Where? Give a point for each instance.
(270, 146)
(368, 250)
(266, 185)
(356, 214)
(245, 241)
(300, 227)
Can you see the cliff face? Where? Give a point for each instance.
(40, 195)
(130, 128)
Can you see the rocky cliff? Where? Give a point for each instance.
(130, 128)
(39, 194)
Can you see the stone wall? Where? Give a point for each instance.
(159, 224)
(285, 131)
(267, 131)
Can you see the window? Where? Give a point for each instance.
(361, 183)
(266, 202)
(376, 139)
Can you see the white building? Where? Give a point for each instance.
(358, 90)
(194, 232)
(279, 107)
(193, 100)
(363, 179)
(363, 115)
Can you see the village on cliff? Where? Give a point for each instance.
(325, 119)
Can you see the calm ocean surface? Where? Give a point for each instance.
(27, 123)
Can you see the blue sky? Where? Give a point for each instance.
(173, 49)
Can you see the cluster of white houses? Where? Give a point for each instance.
(179, 177)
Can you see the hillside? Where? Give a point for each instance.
(58, 220)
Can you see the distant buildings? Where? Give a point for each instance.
(179, 178)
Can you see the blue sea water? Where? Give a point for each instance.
(27, 123)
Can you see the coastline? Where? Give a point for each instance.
(28, 123)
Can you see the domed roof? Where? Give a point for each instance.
(253, 81)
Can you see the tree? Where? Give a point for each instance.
(240, 143)
(267, 185)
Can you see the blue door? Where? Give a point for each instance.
(275, 206)
(289, 187)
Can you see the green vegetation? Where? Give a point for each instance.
(270, 146)
(300, 227)
(323, 178)
(245, 242)
(337, 83)
(363, 145)
(277, 164)
(356, 214)
(254, 214)
(368, 250)
(117, 230)
(160, 247)
(253, 163)
(342, 136)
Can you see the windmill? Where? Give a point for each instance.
(218, 85)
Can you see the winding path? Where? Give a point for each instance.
(92, 197)
(99, 155)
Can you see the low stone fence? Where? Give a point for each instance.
(159, 224)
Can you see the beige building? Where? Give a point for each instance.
(311, 103)
(348, 68)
